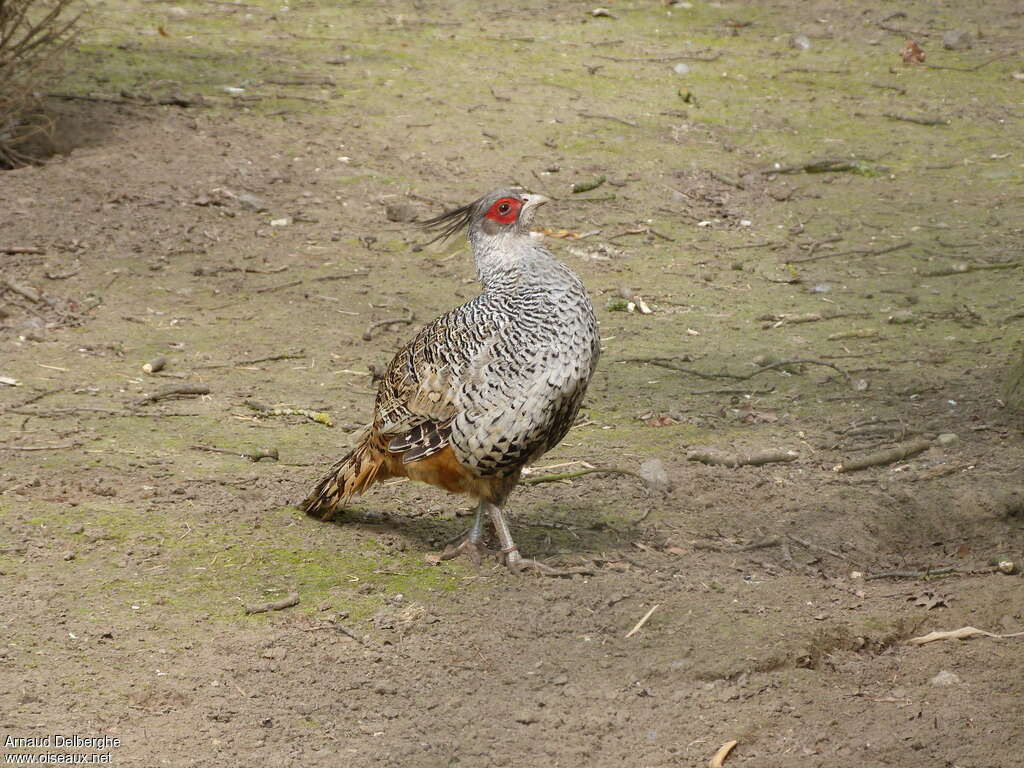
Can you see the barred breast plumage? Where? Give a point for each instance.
(489, 386)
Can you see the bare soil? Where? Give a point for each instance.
(254, 236)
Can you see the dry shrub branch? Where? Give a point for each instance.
(33, 35)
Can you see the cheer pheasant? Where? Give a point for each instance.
(486, 388)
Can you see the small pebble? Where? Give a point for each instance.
(654, 474)
(251, 202)
(946, 438)
(944, 679)
(800, 43)
(681, 69)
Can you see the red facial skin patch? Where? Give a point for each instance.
(505, 211)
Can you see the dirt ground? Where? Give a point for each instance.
(233, 189)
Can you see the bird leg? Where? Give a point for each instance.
(472, 542)
(515, 561)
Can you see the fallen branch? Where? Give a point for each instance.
(948, 570)
(755, 459)
(917, 120)
(977, 66)
(266, 453)
(963, 269)
(318, 416)
(681, 57)
(828, 165)
(853, 252)
(278, 605)
(348, 632)
(642, 621)
(958, 634)
(368, 333)
(183, 389)
(888, 456)
(571, 475)
(60, 447)
(662, 362)
(21, 289)
(613, 118)
(16, 249)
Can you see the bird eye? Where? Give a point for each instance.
(503, 208)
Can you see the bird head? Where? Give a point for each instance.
(502, 212)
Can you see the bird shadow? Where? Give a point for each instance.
(560, 530)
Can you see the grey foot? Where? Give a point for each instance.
(474, 550)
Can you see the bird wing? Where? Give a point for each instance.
(416, 401)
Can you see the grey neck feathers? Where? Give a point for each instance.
(497, 256)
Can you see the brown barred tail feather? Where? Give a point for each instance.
(363, 466)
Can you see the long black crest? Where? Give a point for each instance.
(450, 223)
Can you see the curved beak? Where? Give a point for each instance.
(534, 201)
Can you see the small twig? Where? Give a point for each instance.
(898, 88)
(917, 120)
(828, 165)
(666, 363)
(754, 459)
(60, 447)
(853, 252)
(368, 333)
(346, 631)
(300, 355)
(16, 249)
(34, 399)
(896, 453)
(63, 275)
(963, 269)
(613, 118)
(727, 391)
(977, 66)
(642, 621)
(811, 71)
(21, 289)
(660, 59)
(278, 605)
(266, 453)
(280, 287)
(571, 475)
(945, 571)
(183, 389)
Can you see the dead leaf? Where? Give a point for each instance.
(929, 600)
(660, 420)
(912, 53)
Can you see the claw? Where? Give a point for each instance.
(475, 550)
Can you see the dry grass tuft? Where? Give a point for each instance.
(33, 37)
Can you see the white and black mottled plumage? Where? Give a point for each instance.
(492, 384)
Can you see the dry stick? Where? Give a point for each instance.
(608, 117)
(346, 631)
(664, 363)
(267, 453)
(948, 570)
(755, 459)
(976, 67)
(280, 287)
(368, 333)
(279, 605)
(691, 57)
(828, 165)
(16, 249)
(39, 447)
(917, 120)
(300, 355)
(853, 252)
(580, 473)
(896, 453)
(642, 621)
(184, 389)
(209, 271)
(963, 269)
(154, 365)
(21, 289)
(34, 399)
(63, 275)
(727, 391)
